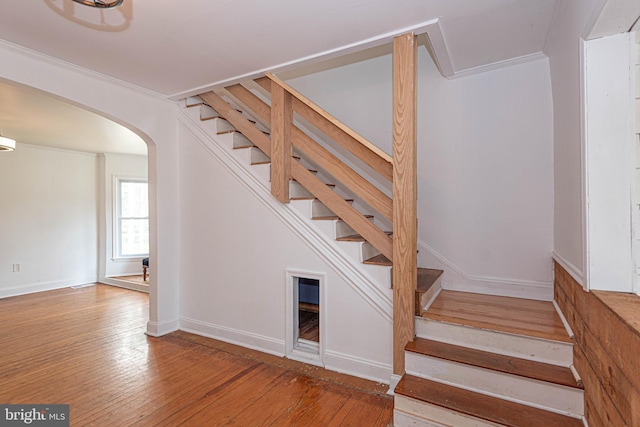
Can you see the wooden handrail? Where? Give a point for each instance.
(368, 192)
(359, 146)
(238, 121)
(374, 235)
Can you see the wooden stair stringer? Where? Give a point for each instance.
(351, 270)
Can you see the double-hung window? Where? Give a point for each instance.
(132, 219)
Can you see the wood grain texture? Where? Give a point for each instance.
(481, 406)
(238, 121)
(607, 335)
(361, 224)
(87, 347)
(329, 118)
(281, 149)
(514, 315)
(381, 165)
(335, 167)
(405, 226)
(497, 362)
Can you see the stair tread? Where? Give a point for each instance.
(378, 260)
(508, 364)
(427, 277)
(504, 314)
(479, 405)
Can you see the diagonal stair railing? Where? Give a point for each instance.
(400, 170)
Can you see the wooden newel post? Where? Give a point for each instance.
(405, 230)
(281, 118)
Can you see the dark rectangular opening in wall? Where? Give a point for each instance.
(309, 309)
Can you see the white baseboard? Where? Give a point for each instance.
(126, 285)
(45, 286)
(357, 366)
(158, 329)
(456, 280)
(234, 336)
(573, 271)
(393, 382)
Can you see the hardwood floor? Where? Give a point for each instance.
(86, 347)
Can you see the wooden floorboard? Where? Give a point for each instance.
(514, 315)
(86, 347)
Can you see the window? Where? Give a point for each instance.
(132, 219)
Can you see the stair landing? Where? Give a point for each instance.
(505, 314)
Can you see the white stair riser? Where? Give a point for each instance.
(380, 273)
(258, 156)
(523, 347)
(540, 394)
(368, 251)
(207, 112)
(412, 412)
(320, 210)
(222, 125)
(240, 141)
(192, 101)
(297, 191)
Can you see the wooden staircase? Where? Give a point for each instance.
(467, 360)
(480, 360)
(428, 279)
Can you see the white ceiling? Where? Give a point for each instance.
(180, 47)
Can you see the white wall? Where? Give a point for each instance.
(234, 256)
(485, 165)
(153, 118)
(48, 219)
(564, 53)
(116, 166)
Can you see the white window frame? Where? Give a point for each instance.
(117, 218)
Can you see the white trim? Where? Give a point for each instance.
(116, 223)
(456, 279)
(357, 366)
(158, 329)
(112, 281)
(320, 244)
(498, 65)
(393, 382)
(440, 50)
(584, 184)
(60, 150)
(67, 66)
(234, 336)
(45, 286)
(308, 60)
(569, 268)
(563, 319)
(294, 349)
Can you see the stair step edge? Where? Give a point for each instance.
(478, 405)
(535, 370)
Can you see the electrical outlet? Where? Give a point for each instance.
(16, 268)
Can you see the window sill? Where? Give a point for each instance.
(130, 259)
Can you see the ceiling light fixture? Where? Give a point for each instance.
(7, 144)
(100, 4)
